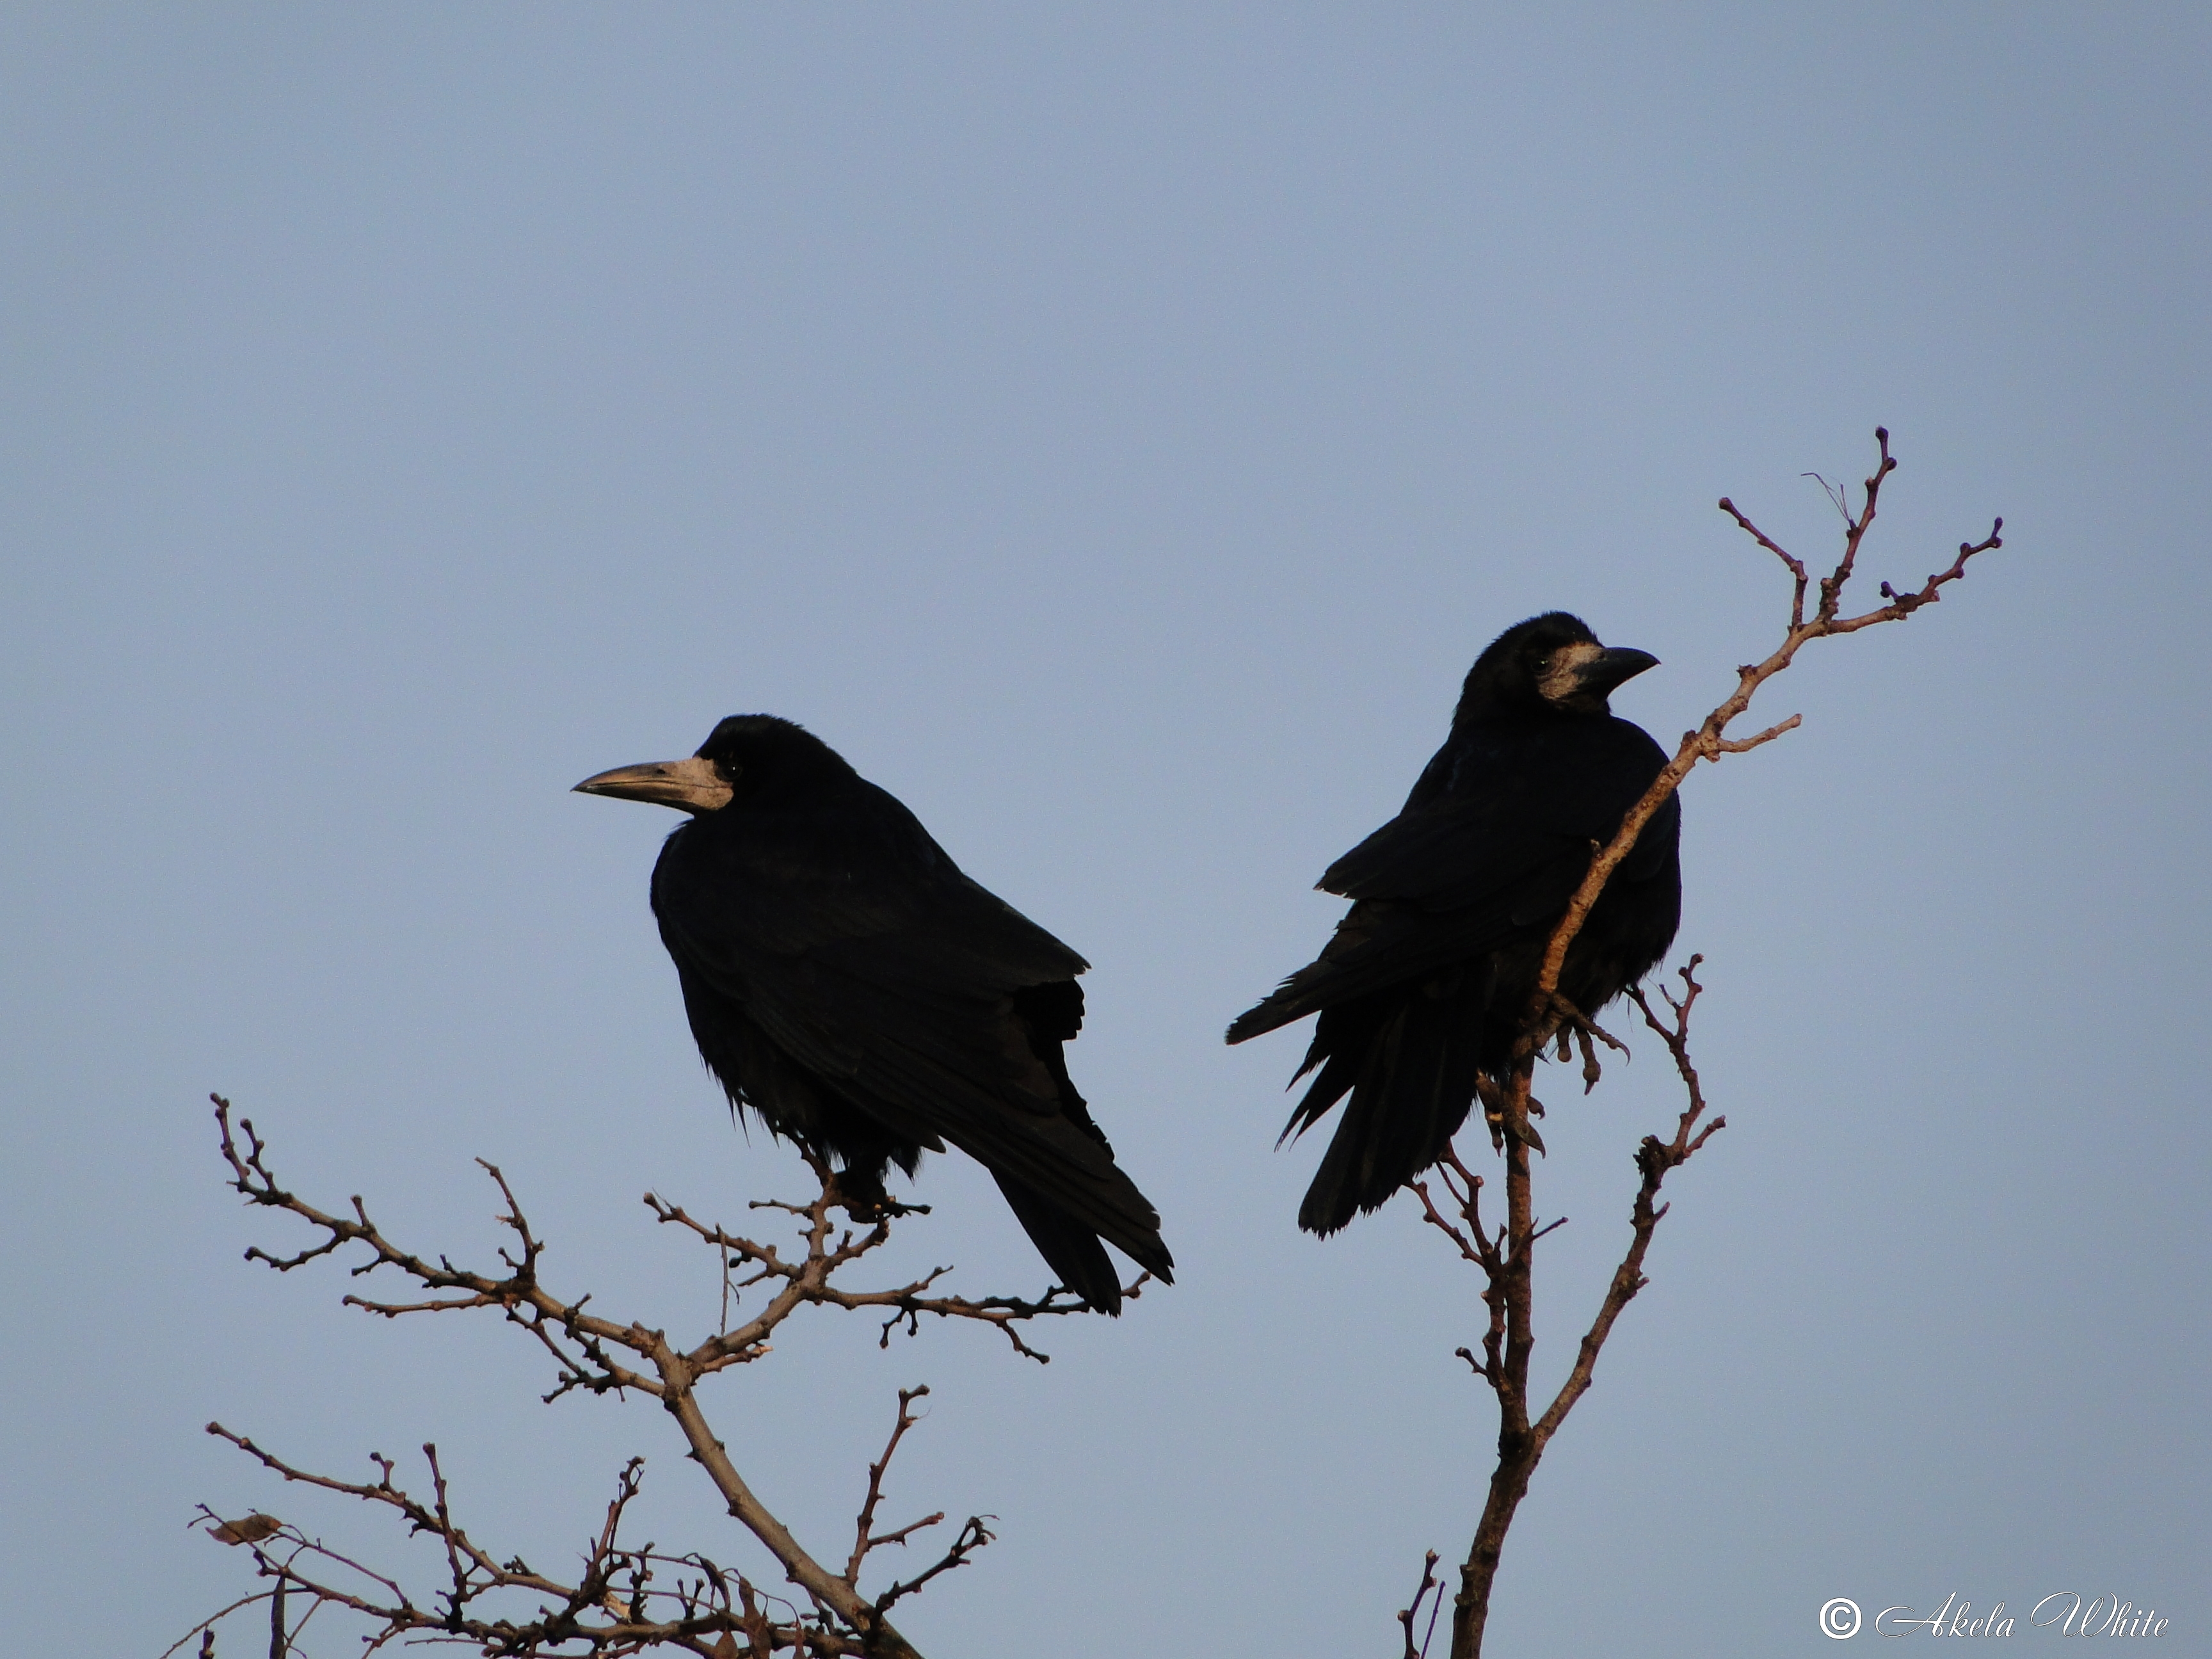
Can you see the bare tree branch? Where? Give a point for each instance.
(1505, 1254)
(863, 1538)
(626, 1598)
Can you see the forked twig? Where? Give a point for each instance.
(1430, 1585)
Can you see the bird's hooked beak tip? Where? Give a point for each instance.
(1615, 666)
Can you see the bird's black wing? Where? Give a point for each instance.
(868, 958)
(1494, 842)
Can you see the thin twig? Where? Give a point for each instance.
(1429, 1584)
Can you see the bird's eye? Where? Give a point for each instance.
(729, 769)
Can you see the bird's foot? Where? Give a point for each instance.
(1578, 1026)
(861, 1194)
(1495, 1100)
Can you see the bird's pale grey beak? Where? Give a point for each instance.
(689, 786)
(1612, 666)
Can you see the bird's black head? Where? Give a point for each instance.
(745, 758)
(1550, 663)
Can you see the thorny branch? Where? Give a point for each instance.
(702, 1608)
(1503, 1253)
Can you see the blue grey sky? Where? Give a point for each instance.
(1113, 429)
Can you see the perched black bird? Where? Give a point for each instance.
(866, 1000)
(1424, 984)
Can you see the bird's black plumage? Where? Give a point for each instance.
(863, 998)
(1424, 985)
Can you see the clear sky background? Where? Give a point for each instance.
(1114, 430)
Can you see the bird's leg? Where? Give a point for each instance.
(1556, 1019)
(861, 1193)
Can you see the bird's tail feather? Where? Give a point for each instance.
(1340, 1041)
(1071, 1250)
(1415, 1080)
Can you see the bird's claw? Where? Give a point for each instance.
(1525, 1132)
